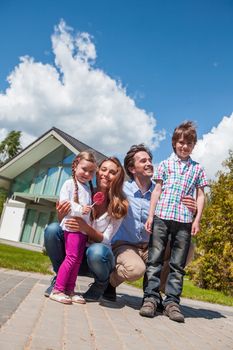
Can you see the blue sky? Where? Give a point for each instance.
(173, 58)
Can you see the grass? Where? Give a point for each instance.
(190, 291)
(26, 260)
(23, 260)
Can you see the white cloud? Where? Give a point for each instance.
(213, 148)
(75, 96)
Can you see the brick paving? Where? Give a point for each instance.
(28, 320)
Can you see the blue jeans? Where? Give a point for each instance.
(101, 261)
(180, 242)
(100, 258)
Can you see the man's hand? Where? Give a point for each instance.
(148, 224)
(195, 228)
(86, 209)
(190, 203)
(63, 209)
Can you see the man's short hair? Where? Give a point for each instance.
(188, 130)
(129, 158)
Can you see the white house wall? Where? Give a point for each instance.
(12, 220)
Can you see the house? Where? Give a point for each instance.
(33, 179)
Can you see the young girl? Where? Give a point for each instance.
(78, 191)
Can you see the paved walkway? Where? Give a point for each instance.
(28, 320)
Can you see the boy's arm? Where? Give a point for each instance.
(153, 202)
(200, 206)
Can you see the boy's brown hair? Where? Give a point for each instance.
(188, 130)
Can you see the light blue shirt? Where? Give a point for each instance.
(132, 229)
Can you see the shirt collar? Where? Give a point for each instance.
(175, 158)
(137, 189)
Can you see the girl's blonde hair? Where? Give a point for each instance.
(90, 157)
(117, 202)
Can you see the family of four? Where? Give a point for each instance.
(140, 228)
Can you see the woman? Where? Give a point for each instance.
(107, 218)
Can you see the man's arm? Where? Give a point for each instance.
(153, 202)
(200, 207)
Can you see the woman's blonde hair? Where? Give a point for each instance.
(90, 157)
(117, 202)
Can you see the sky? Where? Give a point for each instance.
(117, 73)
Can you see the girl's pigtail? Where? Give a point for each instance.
(74, 164)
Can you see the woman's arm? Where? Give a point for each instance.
(63, 209)
(78, 224)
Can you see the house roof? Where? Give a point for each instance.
(38, 149)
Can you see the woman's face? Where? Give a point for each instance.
(106, 174)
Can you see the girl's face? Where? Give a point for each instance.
(106, 174)
(85, 171)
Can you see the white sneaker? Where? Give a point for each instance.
(78, 298)
(60, 297)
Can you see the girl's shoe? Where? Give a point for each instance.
(60, 297)
(76, 297)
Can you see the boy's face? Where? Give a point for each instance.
(184, 148)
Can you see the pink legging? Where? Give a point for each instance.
(75, 243)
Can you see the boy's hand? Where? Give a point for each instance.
(148, 225)
(86, 209)
(195, 228)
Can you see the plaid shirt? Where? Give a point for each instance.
(179, 179)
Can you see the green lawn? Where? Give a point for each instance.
(192, 292)
(26, 260)
(23, 260)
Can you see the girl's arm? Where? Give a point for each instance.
(200, 207)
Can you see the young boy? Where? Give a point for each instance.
(177, 177)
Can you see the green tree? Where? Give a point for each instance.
(10, 146)
(213, 266)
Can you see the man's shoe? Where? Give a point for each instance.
(172, 310)
(109, 293)
(50, 288)
(148, 308)
(95, 291)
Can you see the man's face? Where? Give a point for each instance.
(142, 165)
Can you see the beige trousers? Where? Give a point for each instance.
(131, 262)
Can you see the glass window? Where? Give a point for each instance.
(69, 159)
(42, 221)
(65, 175)
(30, 218)
(23, 182)
(39, 181)
(51, 181)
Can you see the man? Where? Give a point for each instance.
(130, 244)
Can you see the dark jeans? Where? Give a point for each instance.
(98, 260)
(180, 234)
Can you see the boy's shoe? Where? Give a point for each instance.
(95, 291)
(148, 308)
(50, 288)
(60, 297)
(172, 310)
(109, 293)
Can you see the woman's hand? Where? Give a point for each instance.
(190, 203)
(76, 224)
(63, 209)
